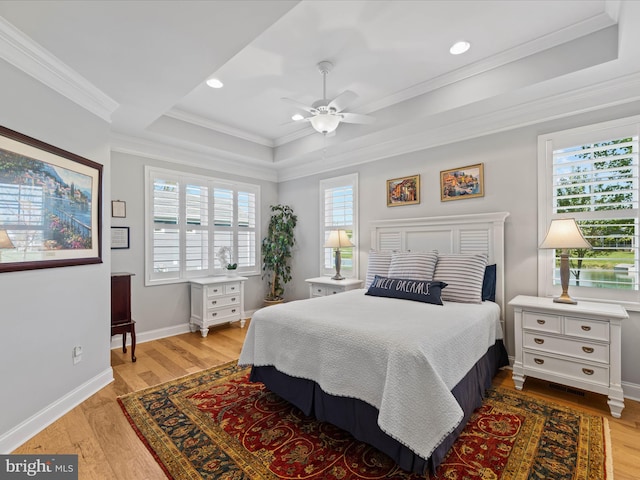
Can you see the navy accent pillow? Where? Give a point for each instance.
(407, 289)
(489, 283)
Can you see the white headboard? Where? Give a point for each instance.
(473, 233)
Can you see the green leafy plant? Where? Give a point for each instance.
(277, 249)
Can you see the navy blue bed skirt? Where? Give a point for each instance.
(360, 418)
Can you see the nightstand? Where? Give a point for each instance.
(575, 345)
(322, 286)
(216, 300)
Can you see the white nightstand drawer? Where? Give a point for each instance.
(232, 287)
(597, 352)
(584, 372)
(223, 301)
(581, 327)
(542, 321)
(223, 313)
(215, 290)
(319, 291)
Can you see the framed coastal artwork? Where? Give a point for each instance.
(403, 191)
(463, 182)
(50, 205)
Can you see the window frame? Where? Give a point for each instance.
(547, 144)
(211, 183)
(350, 180)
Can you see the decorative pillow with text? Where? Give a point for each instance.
(407, 289)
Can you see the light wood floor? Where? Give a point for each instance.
(108, 448)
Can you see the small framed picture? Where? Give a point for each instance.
(118, 209)
(403, 191)
(119, 238)
(463, 182)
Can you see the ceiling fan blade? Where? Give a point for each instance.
(343, 100)
(357, 118)
(301, 106)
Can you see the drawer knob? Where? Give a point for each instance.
(541, 322)
(214, 302)
(233, 311)
(214, 314)
(539, 341)
(587, 349)
(587, 371)
(586, 328)
(233, 299)
(539, 361)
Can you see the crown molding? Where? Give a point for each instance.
(183, 116)
(25, 54)
(538, 45)
(595, 97)
(157, 150)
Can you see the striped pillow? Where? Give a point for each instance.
(463, 275)
(413, 265)
(378, 265)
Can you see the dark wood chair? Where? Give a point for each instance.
(121, 321)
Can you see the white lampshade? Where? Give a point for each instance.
(325, 122)
(5, 241)
(338, 239)
(564, 233)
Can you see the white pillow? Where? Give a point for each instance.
(413, 265)
(463, 274)
(378, 265)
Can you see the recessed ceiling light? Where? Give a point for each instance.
(215, 83)
(459, 47)
(297, 117)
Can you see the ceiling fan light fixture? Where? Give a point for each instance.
(459, 47)
(325, 122)
(215, 83)
(297, 117)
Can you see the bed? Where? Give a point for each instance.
(403, 363)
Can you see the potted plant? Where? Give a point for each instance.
(276, 251)
(224, 257)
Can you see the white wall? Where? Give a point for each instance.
(162, 310)
(45, 313)
(510, 170)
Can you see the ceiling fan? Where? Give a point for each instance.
(326, 115)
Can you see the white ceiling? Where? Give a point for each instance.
(150, 60)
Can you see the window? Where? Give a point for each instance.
(591, 174)
(339, 211)
(191, 218)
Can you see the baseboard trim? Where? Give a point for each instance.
(45, 417)
(116, 340)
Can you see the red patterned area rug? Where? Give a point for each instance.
(215, 424)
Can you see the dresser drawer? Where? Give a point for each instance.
(591, 329)
(223, 301)
(215, 290)
(223, 313)
(232, 288)
(582, 372)
(542, 321)
(597, 352)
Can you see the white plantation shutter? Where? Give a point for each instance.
(190, 218)
(339, 208)
(592, 174)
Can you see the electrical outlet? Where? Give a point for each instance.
(77, 354)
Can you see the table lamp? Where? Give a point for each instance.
(564, 234)
(338, 239)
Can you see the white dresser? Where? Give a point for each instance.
(576, 345)
(216, 300)
(322, 286)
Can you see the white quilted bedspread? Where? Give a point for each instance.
(401, 356)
